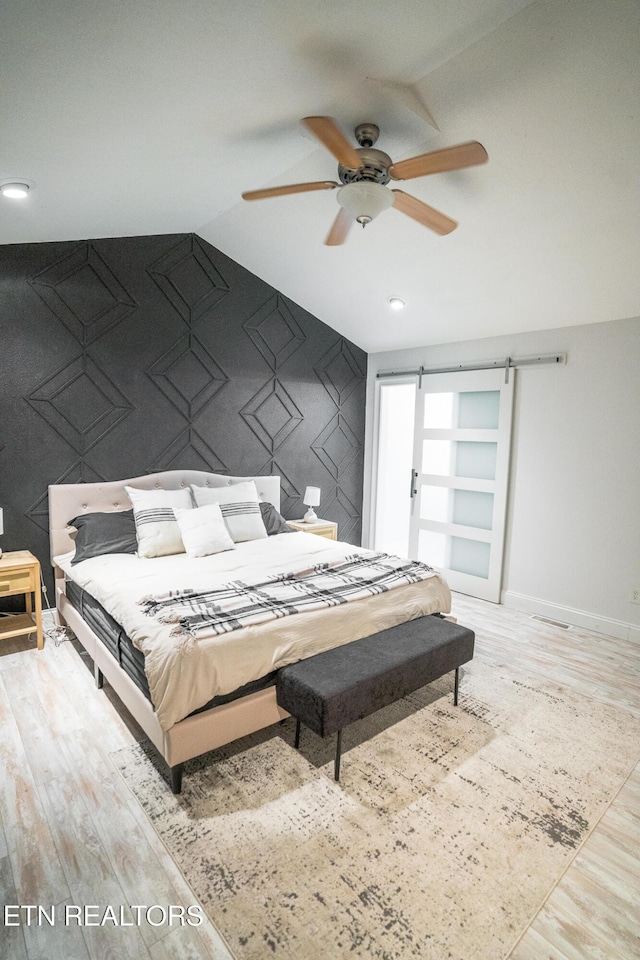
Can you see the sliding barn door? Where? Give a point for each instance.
(462, 437)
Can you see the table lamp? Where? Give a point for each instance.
(311, 499)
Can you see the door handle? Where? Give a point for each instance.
(413, 489)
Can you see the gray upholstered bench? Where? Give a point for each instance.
(331, 690)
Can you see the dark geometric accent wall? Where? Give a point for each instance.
(133, 355)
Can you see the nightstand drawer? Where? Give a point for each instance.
(20, 573)
(16, 581)
(321, 528)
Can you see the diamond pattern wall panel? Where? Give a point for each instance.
(189, 279)
(272, 415)
(339, 372)
(274, 331)
(337, 446)
(84, 293)
(81, 403)
(188, 376)
(188, 447)
(133, 355)
(345, 513)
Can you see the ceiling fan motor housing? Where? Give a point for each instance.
(374, 167)
(375, 163)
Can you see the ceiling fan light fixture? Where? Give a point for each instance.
(16, 190)
(364, 201)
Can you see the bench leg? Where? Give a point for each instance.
(97, 675)
(336, 766)
(175, 775)
(455, 687)
(297, 741)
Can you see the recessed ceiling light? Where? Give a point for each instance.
(396, 303)
(16, 190)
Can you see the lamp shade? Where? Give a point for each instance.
(311, 497)
(364, 200)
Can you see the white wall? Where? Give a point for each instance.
(573, 525)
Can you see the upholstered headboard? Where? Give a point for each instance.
(69, 500)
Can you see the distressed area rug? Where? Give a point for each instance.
(449, 828)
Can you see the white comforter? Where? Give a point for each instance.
(185, 673)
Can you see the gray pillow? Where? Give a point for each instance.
(274, 522)
(100, 533)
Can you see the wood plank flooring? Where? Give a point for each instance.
(594, 911)
(72, 833)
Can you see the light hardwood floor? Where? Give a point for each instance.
(594, 911)
(71, 832)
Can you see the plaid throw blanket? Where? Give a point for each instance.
(238, 604)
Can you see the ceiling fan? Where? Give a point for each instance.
(365, 172)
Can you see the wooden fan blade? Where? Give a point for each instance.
(329, 134)
(423, 213)
(339, 229)
(439, 161)
(289, 188)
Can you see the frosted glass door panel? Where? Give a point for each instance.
(459, 458)
(469, 508)
(476, 460)
(479, 410)
(470, 557)
(474, 409)
(472, 508)
(461, 468)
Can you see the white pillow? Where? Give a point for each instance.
(157, 529)
(240, 507)
(203, 530)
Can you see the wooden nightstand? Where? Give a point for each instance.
(20, 573)
(322, 528)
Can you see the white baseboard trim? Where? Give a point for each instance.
(578, 618)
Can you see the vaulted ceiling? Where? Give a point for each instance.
(153, 116)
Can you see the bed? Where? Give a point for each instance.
(221, 687)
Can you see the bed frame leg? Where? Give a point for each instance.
(97, 674)
(455, 687)
(175, 774)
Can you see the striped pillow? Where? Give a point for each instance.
(240, 506)
(157, 529)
